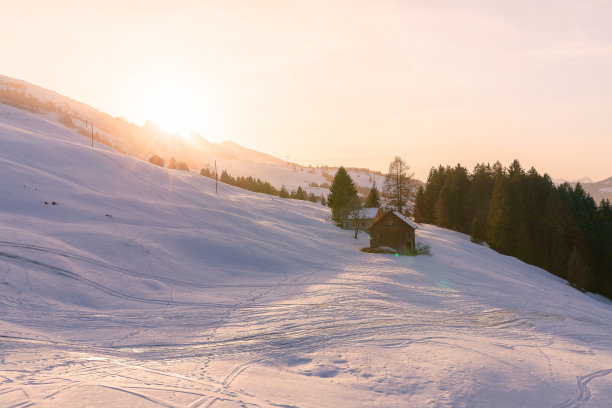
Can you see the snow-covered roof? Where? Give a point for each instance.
(368, 213)
(406, 219)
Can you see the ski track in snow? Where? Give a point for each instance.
(187, 298)
(584, 393)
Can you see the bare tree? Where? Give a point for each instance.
(398, 185)
(354, 212)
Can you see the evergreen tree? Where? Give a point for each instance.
(577, 271)
(478, 199)
(312, 198)
(182, 166)
(226, 178)
(602, 276)
(443, 208)
(556, 224)
(341, 192)
(498, 169)
(323, 201)
(373, 200)
(283, 192)
(505, 222)
(299, 194)
(498, 221)
(478, 231)
(435, 182)
(172, 163)
(532, 234)
(419, 204)
(398, 184)
(449, 208)
(156, 160)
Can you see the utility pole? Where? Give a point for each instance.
(216, 178)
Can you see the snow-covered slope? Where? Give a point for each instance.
(291, 175)
(143, 287)
(138, 141)
(196, 151)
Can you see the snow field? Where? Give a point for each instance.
(142, 287)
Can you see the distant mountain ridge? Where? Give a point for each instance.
(139, 141)
(197, 152)
(145, 141)
(599, 190)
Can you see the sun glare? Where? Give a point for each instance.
(176, 107)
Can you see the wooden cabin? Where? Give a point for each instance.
(364, 219)
(393, 230)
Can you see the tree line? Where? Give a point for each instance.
(172, 163)
(259, 186)
(523, 214)
(247, 183)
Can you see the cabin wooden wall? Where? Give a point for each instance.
(392, 232)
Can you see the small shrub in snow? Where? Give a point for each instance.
(422, 249)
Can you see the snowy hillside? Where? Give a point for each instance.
(126, 284)
(292, 175)
(138, 141)
(196, 151)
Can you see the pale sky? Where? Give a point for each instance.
(340, 82)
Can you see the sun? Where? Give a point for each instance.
(175, 105)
